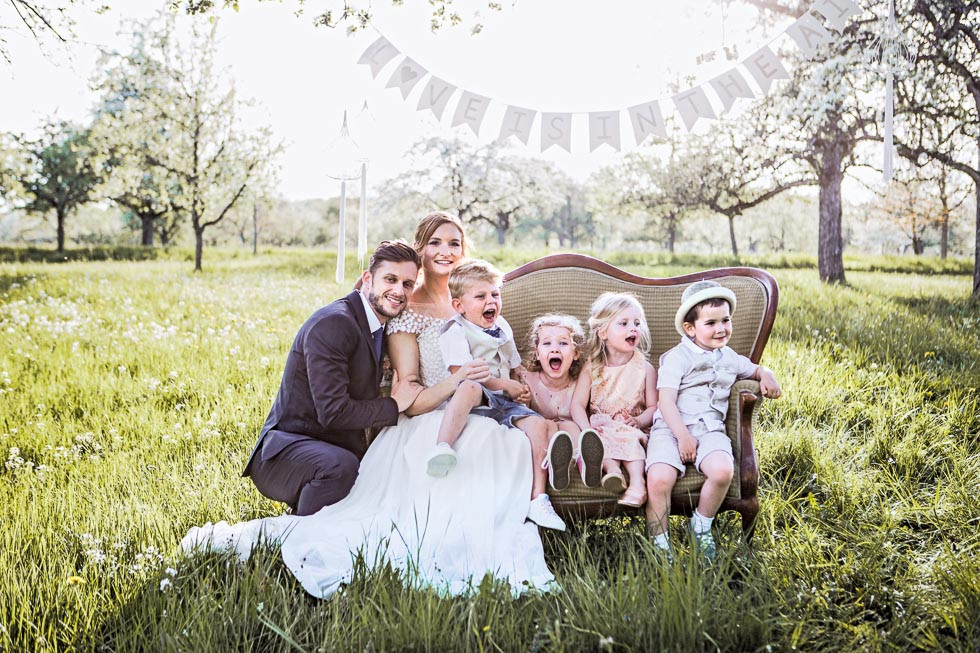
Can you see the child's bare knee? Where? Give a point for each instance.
(471, 391)
(718, 467)
(661, 479)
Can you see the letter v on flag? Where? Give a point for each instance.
(435, 96)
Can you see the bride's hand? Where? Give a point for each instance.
(404, 391)
(476, 370)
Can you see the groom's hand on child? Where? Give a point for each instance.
(404, 391)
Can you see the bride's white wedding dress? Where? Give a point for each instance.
(445, 533)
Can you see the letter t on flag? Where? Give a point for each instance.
(837, 12)
(693, 104)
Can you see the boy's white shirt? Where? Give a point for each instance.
(698, 401)
(462, 341)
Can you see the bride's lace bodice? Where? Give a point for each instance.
(427, 330)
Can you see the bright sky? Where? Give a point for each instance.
(548, 55)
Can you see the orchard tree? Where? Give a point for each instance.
(738, 167)
(827, 113)
(59, 174)
(181, 120)
(483, 185)
(941, 102)
(911, 205)
(125, 139)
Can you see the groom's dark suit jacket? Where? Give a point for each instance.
(329, 388)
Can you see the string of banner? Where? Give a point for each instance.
(646, 119)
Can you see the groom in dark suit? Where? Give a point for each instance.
(311, 444)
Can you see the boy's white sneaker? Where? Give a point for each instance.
(441, 460)
(542, 513)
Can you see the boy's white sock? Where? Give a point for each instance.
(700, 523)
(661, 541)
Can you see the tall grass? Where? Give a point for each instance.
(131, 393)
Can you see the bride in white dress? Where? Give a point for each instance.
(446, 533)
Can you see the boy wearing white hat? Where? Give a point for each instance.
(694, 381)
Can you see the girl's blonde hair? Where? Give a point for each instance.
(603, 310)
(556, 320)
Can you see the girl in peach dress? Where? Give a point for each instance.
(623, 395)
(556, 343)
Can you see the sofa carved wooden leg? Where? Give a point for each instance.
(748, 465)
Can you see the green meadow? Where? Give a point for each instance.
(131, 393)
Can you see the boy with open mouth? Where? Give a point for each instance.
(478, 331)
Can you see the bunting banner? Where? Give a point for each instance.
(764, 67)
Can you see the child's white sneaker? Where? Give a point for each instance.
(442, 459)
(542, 513)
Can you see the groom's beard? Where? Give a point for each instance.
(382, 307)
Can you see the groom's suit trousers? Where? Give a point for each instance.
(306, 474)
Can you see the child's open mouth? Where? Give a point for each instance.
(555, 363)
(490, 315)
(631, 341)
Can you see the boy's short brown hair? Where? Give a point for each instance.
(470, 272)
(394, 251)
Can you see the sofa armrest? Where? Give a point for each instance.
(742, 411)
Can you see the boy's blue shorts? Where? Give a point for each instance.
(498, 406)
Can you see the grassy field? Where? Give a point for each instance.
(131, 393)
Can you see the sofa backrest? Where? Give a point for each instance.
(569, 283)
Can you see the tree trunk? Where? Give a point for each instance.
(731, 234)
(198, 247)
(255, 229)
(147, 230)
(671, 237)
(501, 233)
(61, 228)
(830, 249)
(976, 244)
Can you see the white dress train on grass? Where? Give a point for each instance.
(445, 533)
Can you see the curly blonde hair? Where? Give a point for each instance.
(603, 310)
(556, 320)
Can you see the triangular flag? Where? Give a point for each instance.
(471, 110)
(809, 33)
(837, 12)
(556, 129)
(377, 55)
(603, 128)
(647, 119)
(731, 85)
(765, 67)
(693, 104)
(406, 76)
(517, 122)
(435, 96)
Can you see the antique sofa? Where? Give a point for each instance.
(568, 283)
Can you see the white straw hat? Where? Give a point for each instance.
(698, 292)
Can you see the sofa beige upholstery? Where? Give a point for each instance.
(568, 283)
